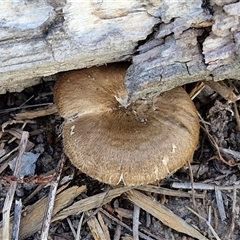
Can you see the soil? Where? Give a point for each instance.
(211, 165)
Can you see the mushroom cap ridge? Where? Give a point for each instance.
(138, 144)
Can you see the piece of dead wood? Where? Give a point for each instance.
(9, 197)
(40, 112)
(33, 215)
(220, 205)
(169, 192)
(203, 186)
(90, 203)
(222, 89)
(162, 213)
(51, 198)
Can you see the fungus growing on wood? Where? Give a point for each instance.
(113, 141)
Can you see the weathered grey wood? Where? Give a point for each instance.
(180, 41)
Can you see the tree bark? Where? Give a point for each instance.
(170, 43)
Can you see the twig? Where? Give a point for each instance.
(168, 192)
(136, 213)
(209, 225)
(232, 224)
(13, 185)
(51, 198)
(202, 186)
(17, 218)
(23, 107)
(8, 154)
(209, 217)
(213, 142)
(192, 184)
(151, 234)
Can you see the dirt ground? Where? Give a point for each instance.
(214, 168)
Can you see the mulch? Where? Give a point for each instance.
(199, 201)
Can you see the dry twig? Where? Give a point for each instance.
(232, 223)
(51, 199)
(168, 192)
(13, 185)
(17, 218)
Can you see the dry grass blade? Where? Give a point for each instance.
(90, 203)
(9, 198)
(33, 215)
(163, 214)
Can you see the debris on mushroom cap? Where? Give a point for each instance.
(113, 141)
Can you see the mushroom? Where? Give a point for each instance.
(112, 140)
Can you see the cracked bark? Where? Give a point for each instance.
(169, 43)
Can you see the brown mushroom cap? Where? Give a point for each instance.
(137, 144)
